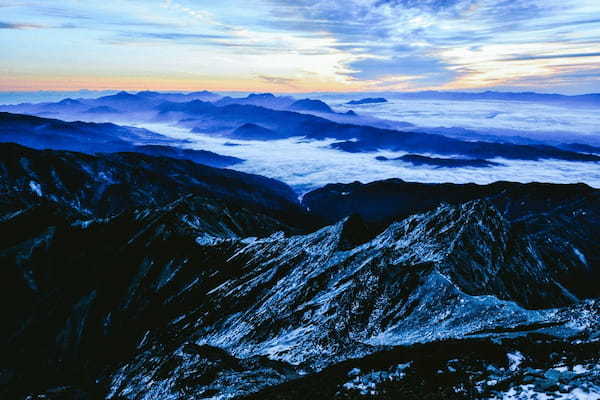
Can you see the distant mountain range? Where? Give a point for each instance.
(231, 120)
(266, 100)
(367, 100)
(109, 105)
(375, 140)
(419, 160)
(203, 117)
(92, 138)
(88, 137)
(251, 118)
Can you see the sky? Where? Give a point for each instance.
(301, 45)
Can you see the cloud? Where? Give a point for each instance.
(201, 15)
(307, 165)
(63, 13)
(94, 17)
(223, 41)
(173, 36)
(277, 80)
(20, 26)
(360, 44)
(418, 66)
(553, 56)
(371, 29)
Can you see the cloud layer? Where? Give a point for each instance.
(307, 165)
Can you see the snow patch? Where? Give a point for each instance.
(36, 188)
(515, 360)
(528, 392)
(367, 384)
(209, 240)
(580, 255)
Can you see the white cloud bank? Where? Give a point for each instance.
(307, 165)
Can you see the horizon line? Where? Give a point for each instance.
(465, 90)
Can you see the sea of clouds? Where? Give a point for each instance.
(309, 164)
(543, 122)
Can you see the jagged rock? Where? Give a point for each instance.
(217, 295)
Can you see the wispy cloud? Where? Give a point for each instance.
(465, 39)
(19, 26)
(553, 56)
(277, 80)
(349, 44)
(173, 36)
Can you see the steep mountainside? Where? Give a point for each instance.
(382, 201)
(105, 184)
(169, 288)
(193, 282)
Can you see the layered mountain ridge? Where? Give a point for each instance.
(287, 117)
(91, 138)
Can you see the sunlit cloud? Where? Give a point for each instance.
(280, 45)
(501, 64)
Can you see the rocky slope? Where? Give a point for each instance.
(218, 291)
(382, 201)
(104, 184)
(537, 366)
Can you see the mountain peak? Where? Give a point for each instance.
(311, 105)
(250, 131)
(69, 102)
(202, 92)
(145, 93)
(260, 95)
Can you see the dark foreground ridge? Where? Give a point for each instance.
(386, 200)
(106, 184)
(128, 276)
